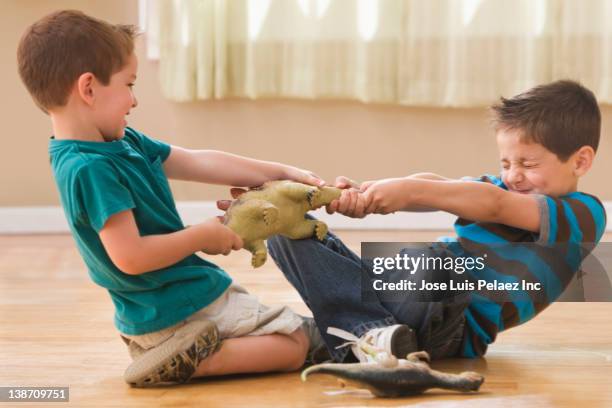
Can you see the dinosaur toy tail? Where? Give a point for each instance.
(319, 368)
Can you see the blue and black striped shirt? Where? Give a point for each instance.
(571, 226)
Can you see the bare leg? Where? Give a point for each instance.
(257, 354)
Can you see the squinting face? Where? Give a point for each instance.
(530, 168)
(114, 101)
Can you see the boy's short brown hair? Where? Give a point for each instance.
(562, 116)
(57, 49)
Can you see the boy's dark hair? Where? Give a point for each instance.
(562, 116)
(57, 49)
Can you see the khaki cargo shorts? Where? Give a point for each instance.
(236, 313)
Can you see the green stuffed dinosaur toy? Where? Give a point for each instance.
(277, 207)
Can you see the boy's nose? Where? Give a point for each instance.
(134, 102)
(514, 175)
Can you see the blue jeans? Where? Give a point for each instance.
(327, 276)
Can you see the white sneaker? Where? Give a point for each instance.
(381, 344)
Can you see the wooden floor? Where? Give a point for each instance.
(56, 330)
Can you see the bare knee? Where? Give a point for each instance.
(301, 349)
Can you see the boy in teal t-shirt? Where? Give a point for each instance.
(97, 180)
(172, 307)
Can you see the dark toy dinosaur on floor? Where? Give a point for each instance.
(403, 377)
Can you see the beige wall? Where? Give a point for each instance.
(330, 138)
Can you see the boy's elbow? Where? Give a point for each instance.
(130, 265)
(128, 269)
(123, 244)
(519, 211)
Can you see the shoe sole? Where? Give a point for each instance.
(403, 342)
(152, 360)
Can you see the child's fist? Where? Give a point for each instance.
(385, 196)
(219, 239)
(351, 203)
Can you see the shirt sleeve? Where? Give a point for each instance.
(151, 148)
(576, 218)
(486, 178)
(101, 193)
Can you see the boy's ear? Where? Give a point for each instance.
(85, 87)
(583, 160)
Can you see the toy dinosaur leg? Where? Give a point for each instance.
(307, 229)
(247, 219)
(316, 197)
(260, 253)
(419, 357)
(321, 230)
(323, 196)
(296, 191)
(466, 381)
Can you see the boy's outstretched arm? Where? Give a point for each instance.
(216, 167)
(135, 254)
(354, 205)
(472, 200)
(424, 176)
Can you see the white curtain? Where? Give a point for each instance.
(584, 47)
(409, 52)
(469, 52)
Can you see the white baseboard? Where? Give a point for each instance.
(50, 219)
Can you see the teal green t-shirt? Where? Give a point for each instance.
(98, 179)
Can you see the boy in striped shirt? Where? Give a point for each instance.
(547, 138)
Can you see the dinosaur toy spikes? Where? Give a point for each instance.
(411, 376)
(277, 207)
